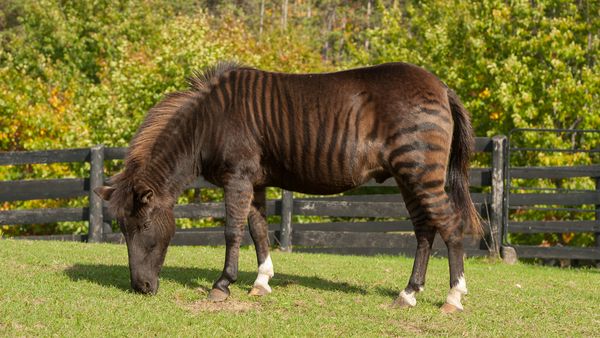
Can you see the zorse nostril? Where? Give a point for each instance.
(147, 286)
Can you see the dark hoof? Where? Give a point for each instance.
(258, 290)
(216, 295)
(401, 303)
(449, 308)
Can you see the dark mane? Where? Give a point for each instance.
(158, 122)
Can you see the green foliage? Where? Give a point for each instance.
(514, 64)
(79, 73)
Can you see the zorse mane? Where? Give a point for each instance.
(155, 125)
(160, 115)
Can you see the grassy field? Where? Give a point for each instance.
(75, 289)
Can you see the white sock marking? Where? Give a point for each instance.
(265, 272)
(456, 293)
(409, 297)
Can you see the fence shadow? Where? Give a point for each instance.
(117, 276)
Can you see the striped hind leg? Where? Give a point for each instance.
(452, 235)
(430, 206)
(421, 180)
(427, 204)
(425, 236)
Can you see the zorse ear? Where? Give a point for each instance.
(146, 196)
(104, 192)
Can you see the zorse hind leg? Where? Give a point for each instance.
(431, 209)
(452, 235)
(238, 195)
(422, 185)
(257, 222)
(425, 236)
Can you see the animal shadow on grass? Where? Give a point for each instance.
(118, 276)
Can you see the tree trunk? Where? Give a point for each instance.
(262, 16)
(284, 10)
(368, 23)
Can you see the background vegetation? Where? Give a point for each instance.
(79, 73)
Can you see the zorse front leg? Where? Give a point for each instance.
(257, 222)
(238, 195)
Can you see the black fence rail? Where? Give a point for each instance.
(357, 223)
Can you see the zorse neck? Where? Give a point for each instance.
(171, 158)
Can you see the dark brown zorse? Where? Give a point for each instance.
(244, 129)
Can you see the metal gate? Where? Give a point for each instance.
(552, 209)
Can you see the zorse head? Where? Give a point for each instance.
(148, 227)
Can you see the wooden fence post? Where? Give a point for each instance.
(496, 219)
(96, 180)
(287, 204)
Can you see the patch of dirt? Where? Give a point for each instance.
(204, 305)
(35, 301)
(39, 326)
(17, 326)
(230, 305)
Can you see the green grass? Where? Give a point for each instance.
(75, 289)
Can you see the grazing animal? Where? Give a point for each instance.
(244, 129)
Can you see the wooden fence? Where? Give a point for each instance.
(552, 209)
(382, 225)
(559, 201)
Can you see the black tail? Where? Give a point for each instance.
(458, 174)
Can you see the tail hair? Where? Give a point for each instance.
(458, 174)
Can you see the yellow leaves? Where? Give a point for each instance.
(495, 115)
(567, 237)
(54, 102)
(485, 93)
(59, 100)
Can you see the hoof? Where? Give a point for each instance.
(258, 290)
(402, 303)
(449, 308)
(216, 295)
